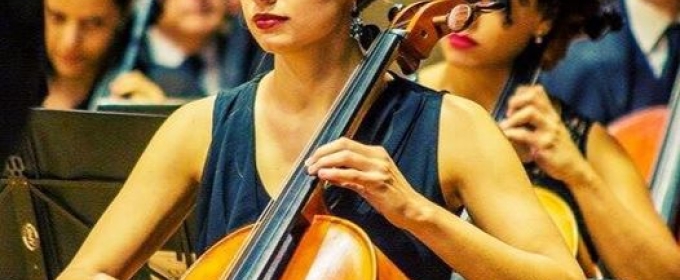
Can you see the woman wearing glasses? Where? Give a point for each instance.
(234, 151)
(495, 63)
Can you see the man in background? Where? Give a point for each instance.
(625, 71)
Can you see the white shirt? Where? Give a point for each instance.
(166, 53)
(648, 25)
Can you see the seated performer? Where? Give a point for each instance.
(401, 181)
(493, 63)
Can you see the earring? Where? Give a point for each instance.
(538, 39)
(356, 27)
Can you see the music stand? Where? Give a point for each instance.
(127, 106)
(68, 168)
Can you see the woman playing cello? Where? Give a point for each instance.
(232, 152)
(577, 155)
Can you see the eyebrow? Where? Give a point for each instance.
(52, 11)
(88, 18)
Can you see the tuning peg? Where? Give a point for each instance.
(393, 11)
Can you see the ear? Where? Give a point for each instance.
(543, 27)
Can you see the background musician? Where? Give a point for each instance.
(582, 162)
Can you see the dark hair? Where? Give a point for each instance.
(573, 18)
(362, 4)
(125, 6)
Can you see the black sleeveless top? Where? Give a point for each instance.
(404, 120)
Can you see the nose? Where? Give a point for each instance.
(71, 36)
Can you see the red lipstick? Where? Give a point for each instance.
(268, 21)
(461, 41)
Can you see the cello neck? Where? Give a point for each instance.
(273, 239)
(525, 70)
(665, 182)
(143, 14)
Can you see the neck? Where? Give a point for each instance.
(310, 80)
(481, 85)
(67, 93)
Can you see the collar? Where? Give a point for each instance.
(647, 23)
(164, 52)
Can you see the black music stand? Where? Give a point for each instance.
(127, 106)
(69, 167)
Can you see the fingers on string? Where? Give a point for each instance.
(529, 118)
(343, 149)
(363, 182)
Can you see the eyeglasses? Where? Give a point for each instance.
(463, 15)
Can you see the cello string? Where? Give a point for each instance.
(271, 206)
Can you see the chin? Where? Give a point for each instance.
(272, 45)
(72, 72)
(202, 26)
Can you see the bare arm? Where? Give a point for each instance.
(616, 205)
(156, 197)
(514, 237)
(627, 231)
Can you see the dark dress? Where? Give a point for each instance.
(404, 120)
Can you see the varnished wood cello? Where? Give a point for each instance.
(291, 240)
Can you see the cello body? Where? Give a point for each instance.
(331, 248)
(561, 214)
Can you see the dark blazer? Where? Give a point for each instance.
(595, 78)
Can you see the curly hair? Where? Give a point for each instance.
(124, 5)
(574, 18)
(362, 4)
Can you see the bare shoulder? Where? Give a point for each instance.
(465, 127)
(195, 119)
(611, 161)
(463, 115)
(472, 149)
(185, 136)
(602, 148)
(598, 135)
(198, 112)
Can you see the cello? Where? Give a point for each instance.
(293, 239)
